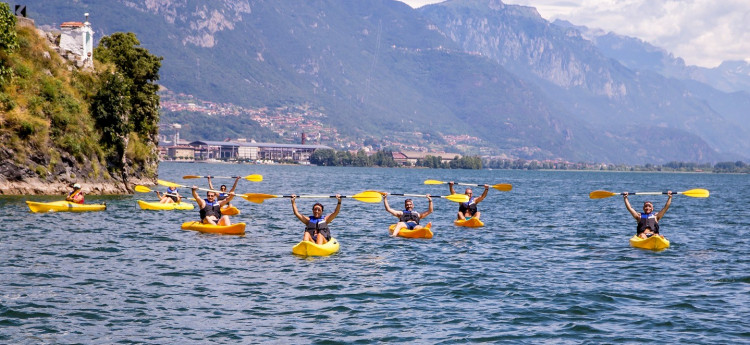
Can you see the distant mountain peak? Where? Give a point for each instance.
(203, 21)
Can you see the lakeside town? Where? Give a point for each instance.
(303, 130)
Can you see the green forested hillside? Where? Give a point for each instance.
(60, 124)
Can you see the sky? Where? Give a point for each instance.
(702, 32)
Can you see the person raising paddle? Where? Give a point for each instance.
(223, 188)
(316, 226)
(210, 208)
(648, 222)
(171, 196)
(76, 195)
(468, 210)
(407, 218)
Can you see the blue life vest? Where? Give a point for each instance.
(409, 216)
(647, 220)
(318, 226)
(172, 190)
(211, 209)
(470, 205)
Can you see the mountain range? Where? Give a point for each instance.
(527, 88)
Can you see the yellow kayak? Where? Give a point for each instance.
(64, 206)
(229, 211)
(157, 206)
(424, 232)
(307, 248)
(471, 223)
(234, 229)
(653, 242)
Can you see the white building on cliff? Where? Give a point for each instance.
(78, 39)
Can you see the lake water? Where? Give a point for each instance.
(550, 266)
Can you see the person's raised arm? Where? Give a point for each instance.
(388, 207)
(210, 184)
(199, 200)
(235, 184)
(227, 200)
(429, 209)
(336, 211)
(484, 194)
(666, 206)
(299, 216)
(450, 186)
(633, 213)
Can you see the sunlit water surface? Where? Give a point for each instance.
(551, 265)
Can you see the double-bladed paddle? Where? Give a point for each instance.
(177, 185)
(503, 187)
(252, 178)
(452, 197)
(366, 196)
(694, 193)
(144, 189)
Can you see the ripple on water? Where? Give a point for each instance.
(551, 266)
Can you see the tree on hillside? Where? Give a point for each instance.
(111, 110)
(126, 104)
(141, 70)
(8, 41)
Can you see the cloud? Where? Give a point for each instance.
(703, 32)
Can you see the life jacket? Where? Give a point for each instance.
(319, 226)
(222, 196)
(75, 193)
(470, 205)
(174, 197)
(211, 209)
(647, 220)
(409, 216)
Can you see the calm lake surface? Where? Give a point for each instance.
(550, 266)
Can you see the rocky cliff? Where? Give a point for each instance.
(49, 137)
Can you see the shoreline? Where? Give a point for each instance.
(41, 187)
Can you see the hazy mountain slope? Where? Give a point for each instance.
(730, 76)
(380, 68)
(595, 89)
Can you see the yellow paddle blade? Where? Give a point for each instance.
(142, 189)
(374, 191)
(696, 193)
(257, 198)
(601, 194)
(457, 197)
(168, 184)
(434, 182)
(368, 196)
(186, 177)
(503, 187)
(254, 178)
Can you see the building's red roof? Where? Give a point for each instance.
(71, 25)
(398, 155)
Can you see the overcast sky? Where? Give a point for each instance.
(703, 32)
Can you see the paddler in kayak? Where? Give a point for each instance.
(316, 226)
(468, 210)
(223, 189)
(407, 218)
(210, 208)
(76, 195)
(648, 221)
(170, 196)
